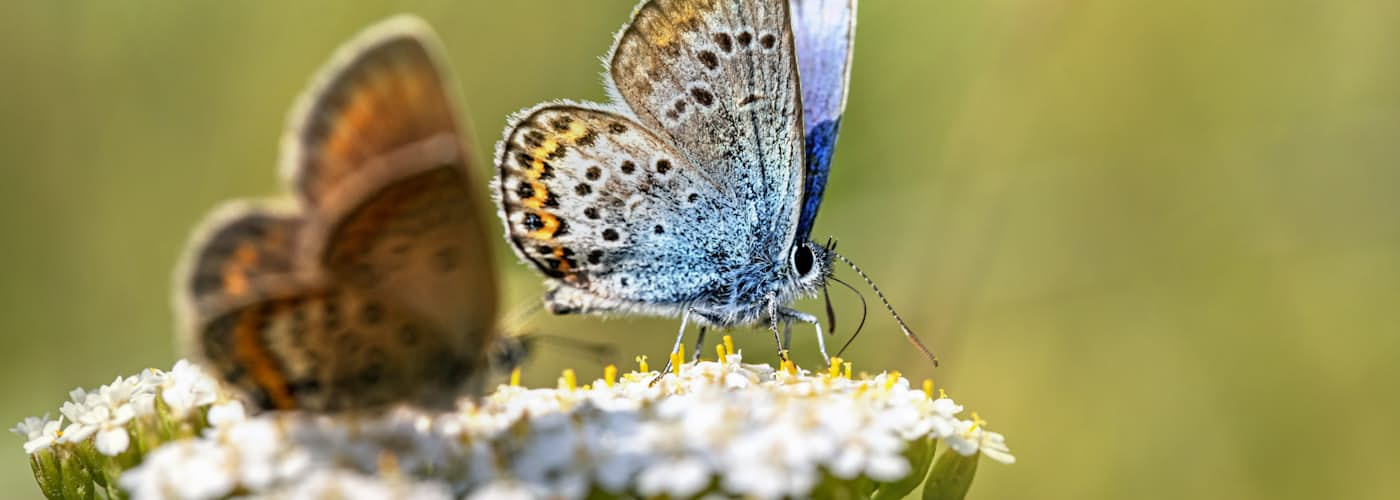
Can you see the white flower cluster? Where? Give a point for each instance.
(709, 428)
(108, 412)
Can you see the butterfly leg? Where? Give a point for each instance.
(699, 344)
(790, 315)
(787, 334)
(685, 319)
(773, 326)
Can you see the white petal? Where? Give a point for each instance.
(502, 490)
(887, 467)
(37, 444)
(848, 463)
(228, 412)
(113, 440)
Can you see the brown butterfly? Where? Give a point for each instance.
(375, 285)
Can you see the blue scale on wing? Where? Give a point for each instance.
(824, 31)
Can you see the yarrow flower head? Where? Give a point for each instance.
(707, 429)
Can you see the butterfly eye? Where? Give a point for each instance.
(802, 260)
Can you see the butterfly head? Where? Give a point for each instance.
(809, 264)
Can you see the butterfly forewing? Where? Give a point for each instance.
(824, 33)
(718, 80)
(379, 93)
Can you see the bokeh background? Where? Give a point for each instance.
(1155, 243)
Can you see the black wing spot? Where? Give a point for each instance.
(588, 138)
(709, 59)
(593, 173)
(702, 96)
(591, 212)
(330, 314)
(694, 197)
(658, 229)
(562, 123)
(303, 386)
(408, 334)
(532, 221)
(371, 313)
(583, 189)
(610, 234)
(744, 39)
(628, 167)
(524, 190)
(725, 43)
(617, 128)
(663, 166)
(595, 257)
(768, 41)
(447, 258)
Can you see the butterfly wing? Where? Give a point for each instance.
(379, 92)
(718, 80)
(377, 153)
(388, 294)
(288, 340)
(593, 199)
(824, 31)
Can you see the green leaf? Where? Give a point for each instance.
(951, 476)
(920, 455)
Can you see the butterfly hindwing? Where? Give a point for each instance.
(718, 80)
(240, 253)
(824, 32)
(593, 199)
(413, 236)
(334, 349)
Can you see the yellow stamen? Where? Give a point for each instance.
(790, 367)
(587, 387)
(676, 358)
(515, 377)
(570, 380)
(928, 388)
(941, 394)
(719, 350)
(642, 364)
(891, 379)
(610, 374)
(976, 422)
(729, 345)
(835, 369)
(847, 366)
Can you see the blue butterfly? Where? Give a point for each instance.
(693, 192)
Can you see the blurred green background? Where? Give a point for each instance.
(1155, 243)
